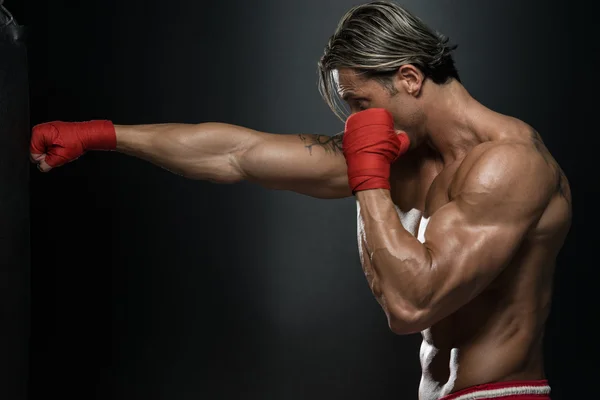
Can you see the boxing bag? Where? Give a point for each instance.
(14, 210)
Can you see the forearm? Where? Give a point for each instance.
(401, 263)
(204, 151)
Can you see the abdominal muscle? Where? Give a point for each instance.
(471, 348)
(495, 337)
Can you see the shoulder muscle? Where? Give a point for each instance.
(511, 178)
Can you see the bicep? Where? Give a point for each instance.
(472, 239)
(467, 254)
(307, 164)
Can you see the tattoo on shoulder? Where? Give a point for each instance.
(331, 144)
(561, 178)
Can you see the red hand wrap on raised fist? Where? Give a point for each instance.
(370, 145)
(62, 142)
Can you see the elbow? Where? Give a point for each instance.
(406, 320)
(222, 169)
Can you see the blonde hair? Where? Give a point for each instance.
(376, 39)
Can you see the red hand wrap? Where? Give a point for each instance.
(370, 145)
(65, 141)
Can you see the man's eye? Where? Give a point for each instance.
(360, 105)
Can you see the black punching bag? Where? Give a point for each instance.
(14, 210)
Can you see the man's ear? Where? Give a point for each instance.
(410, 78)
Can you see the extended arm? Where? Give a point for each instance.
(309, 164)
(467, 243)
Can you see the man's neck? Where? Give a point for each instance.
(450, 127)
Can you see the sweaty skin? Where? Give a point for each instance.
(309, 164)
(507, 187)
(461, 248)
(502, 213)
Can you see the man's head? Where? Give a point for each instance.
(381, 56)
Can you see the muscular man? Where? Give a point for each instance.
(462, 210)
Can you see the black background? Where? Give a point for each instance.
(150, 286)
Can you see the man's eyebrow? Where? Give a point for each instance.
(348, 95)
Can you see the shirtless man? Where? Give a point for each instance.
(462, 210)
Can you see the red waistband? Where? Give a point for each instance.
(512, 390)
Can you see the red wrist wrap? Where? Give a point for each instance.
(62, 142)
(370, 145)
(95, 135)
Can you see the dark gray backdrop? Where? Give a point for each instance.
(149, 286)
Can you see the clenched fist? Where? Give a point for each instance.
(56, 143)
